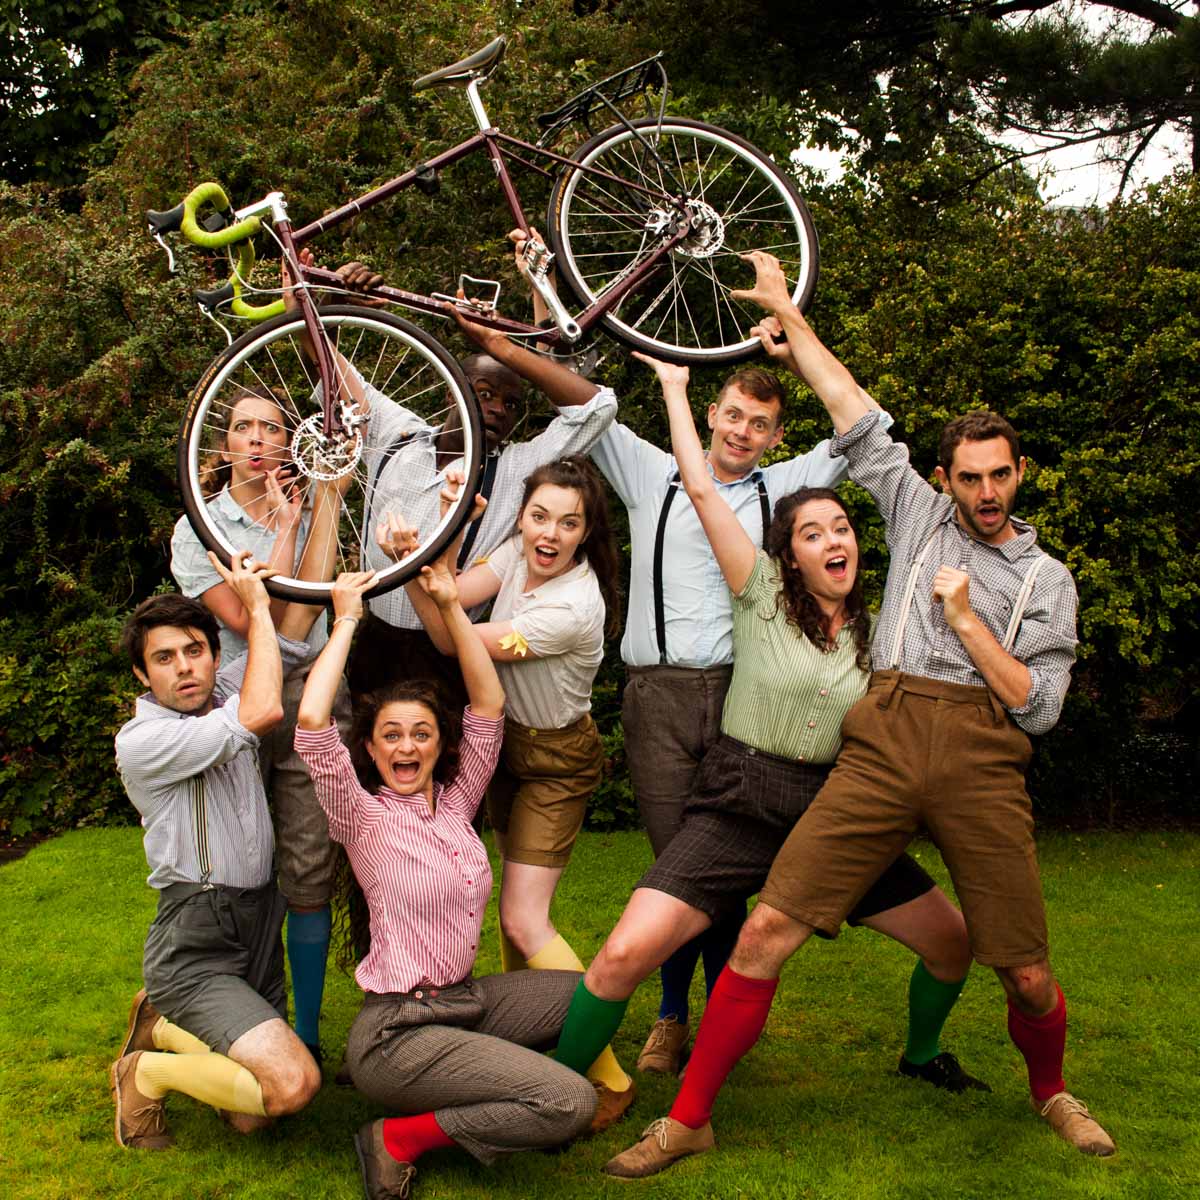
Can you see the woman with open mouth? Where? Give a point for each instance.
(801, 636)
(459, 1058)
(555, 589)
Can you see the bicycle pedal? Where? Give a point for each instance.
(427, 180)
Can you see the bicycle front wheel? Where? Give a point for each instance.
(734, 198)
(415, 388)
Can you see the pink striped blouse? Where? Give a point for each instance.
(425, 875)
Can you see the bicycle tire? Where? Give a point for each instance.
(399, 359)
(744, 202)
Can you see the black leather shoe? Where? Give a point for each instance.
(944, 1072)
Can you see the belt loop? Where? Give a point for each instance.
(998, 709)
(889, 690)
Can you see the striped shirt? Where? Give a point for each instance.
(425, 874)
(914, 512)
(786, 696)
(195, 780)
(410, 482)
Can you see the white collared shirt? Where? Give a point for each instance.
(562, 620)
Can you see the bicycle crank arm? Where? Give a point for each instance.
(567, 325)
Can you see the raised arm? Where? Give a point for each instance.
(806, 356)
(260, 706)
(561, 386)
(316, 705)
(734, 550)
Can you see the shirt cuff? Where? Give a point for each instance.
(291, 651)
(576, 414)
(317, 739)
(867, 424)
(487, 726)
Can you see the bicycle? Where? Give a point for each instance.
(646, 220)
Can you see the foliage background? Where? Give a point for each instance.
(945, 285)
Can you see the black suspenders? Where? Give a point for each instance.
(660, 535)
(486, 484)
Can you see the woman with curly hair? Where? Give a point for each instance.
(800, 635)
(457, 1056)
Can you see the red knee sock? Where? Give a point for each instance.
(407, 1138)
(733, 1019)
(1043, 1041)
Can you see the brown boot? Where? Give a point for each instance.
(143, 1016)
(663, 1052)
(1070, 1119)
(664, 1142)
(141, 1123)
(384, 1177)
(610, 1106)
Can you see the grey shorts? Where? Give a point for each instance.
(213, 962)
(745, 806)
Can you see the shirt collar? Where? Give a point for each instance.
(227, 506)
(1013, 549)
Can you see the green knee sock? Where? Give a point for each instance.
(929, 1004)
(589, 1027)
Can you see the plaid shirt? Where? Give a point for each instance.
(915, 512)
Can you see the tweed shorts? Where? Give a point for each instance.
(746, 805)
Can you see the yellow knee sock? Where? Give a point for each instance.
(557, 955)
(210, 1078)
(176, 1040)
(511, 959)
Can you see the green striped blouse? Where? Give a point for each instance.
(786, 697)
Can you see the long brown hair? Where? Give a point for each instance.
(215, 471)
(598, 544)
(795, 600)
(352, 922)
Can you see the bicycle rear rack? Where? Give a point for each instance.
(604, 96)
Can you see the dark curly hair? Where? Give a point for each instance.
(795, 600)
(598, 545)
(352, 932)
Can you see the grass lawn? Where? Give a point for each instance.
(813, 1111)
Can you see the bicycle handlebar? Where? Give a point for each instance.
(218, 231)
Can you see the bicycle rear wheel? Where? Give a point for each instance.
(736, 199)
(409, 370)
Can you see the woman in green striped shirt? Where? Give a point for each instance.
(801, 634)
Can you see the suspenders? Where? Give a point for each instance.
(660, 535)
(910, 587)
(486, 484)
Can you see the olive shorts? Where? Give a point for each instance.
(540, 791)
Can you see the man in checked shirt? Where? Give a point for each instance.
(214, 1022)
(972, 652)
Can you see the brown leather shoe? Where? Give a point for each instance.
(383, 1177)
(663, 1052)
(610, 1106)
(664, 1142)
(143, 1016)
(141, 1123)
(1070, 1119)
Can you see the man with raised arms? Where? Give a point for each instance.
(972, 653)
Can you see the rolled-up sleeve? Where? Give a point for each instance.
(1046, 644)
(575, 430)
(334, 780)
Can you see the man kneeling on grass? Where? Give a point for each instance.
(212, 1019)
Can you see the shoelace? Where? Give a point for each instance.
(149, 1119)
(1067, 1105)
(403, 1190)
(657, 1129)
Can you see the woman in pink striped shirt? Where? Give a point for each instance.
(458, 1056)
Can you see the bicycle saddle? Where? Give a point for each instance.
(481, 63)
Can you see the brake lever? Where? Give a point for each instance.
(158, 237)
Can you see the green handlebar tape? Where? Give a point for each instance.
(214, 194)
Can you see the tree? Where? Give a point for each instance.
(64, 70)
(899, 78)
